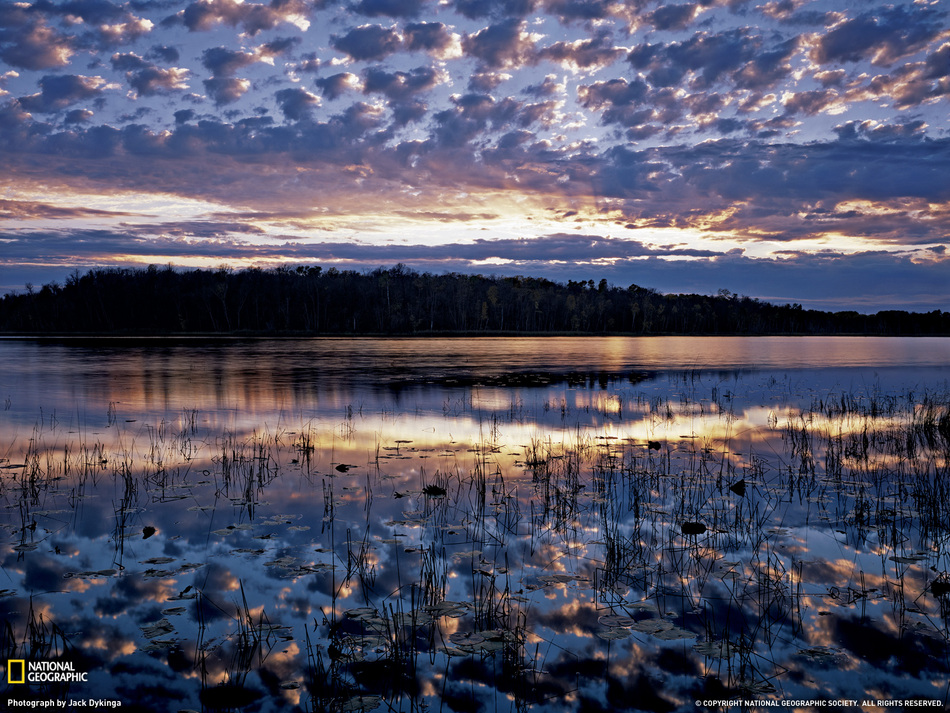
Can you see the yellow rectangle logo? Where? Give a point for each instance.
(16, 670)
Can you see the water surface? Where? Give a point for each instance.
(502, 524)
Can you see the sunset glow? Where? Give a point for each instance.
(794, 152)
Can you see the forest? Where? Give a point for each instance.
(401, 301)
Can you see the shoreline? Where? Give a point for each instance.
(251, 335)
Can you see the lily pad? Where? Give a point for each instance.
(615, 633)
(693, 528)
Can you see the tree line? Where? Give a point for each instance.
(401, 301)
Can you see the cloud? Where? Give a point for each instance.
(791, 12)
(756, 124)
(60, 91)
(622, 102)
(102, 24)
(26, 41)
(88, 246)
(337, 84)
(355, 123)
(549, 87)
(368, 42)
(252, 18)
(296, 103)
(28, 210)
(128, 61)
(123, 32)
(78, 116)
(810, 102)
(478, 9)
(672, 17)
(472, 115)
(713, 56)
(831, 78)
(908, 86)
(568, 11)
(854, 130)
(155, 80)
(591, 53)
(407, 111)
(486, 81)
(883, 37)
(767, 68)
(148, 79)
(432, 37)
(277, 47)
(226, 90)
(93, 12)
(505, 44)
(224, 62)
(391, 8)
(757, 190)
(399, 85)
(164, 53)
(938, 63)
(867, 282)
(853, 169)
(544, 113)
(569, 247)
(186, 239)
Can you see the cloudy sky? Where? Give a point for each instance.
(789, 150)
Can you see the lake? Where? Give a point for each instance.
(499, 524)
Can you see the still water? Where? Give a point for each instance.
(492, 524)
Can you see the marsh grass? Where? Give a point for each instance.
(450, 568)
(39, 639)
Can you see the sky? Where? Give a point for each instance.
(788, 150)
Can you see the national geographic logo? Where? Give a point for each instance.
(22, 671)
(16, 671)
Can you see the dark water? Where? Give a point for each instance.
(458, 525)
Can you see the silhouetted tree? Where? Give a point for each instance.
(397, 300)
